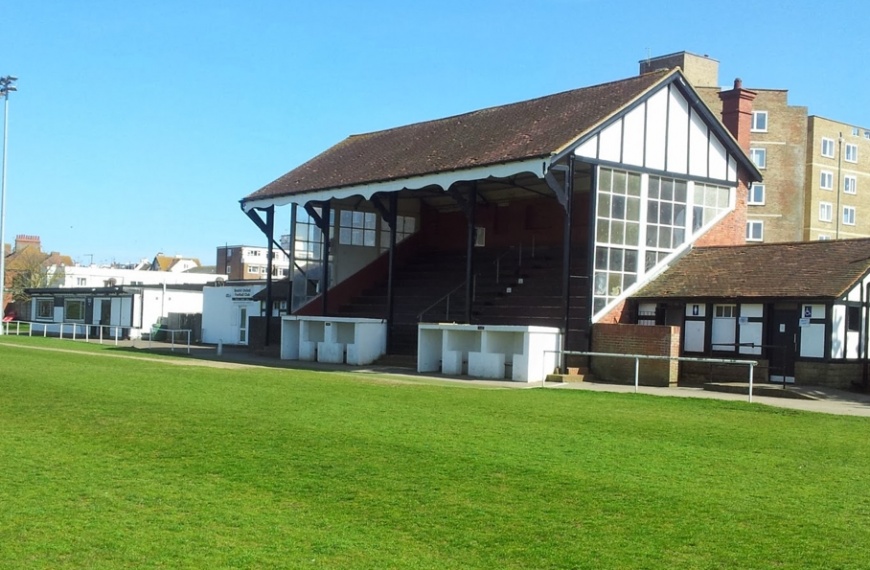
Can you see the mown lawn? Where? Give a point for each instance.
(119, 463)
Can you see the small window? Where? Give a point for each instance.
(253, 269)
(856, 131)
(229, 269)
(758, 157)
(44, 309)
(851, 153)
(849, 215)
(850, 184)
(754, 230)
(756, 195)
(74, 310)
(357, 228)
(725, 311)
(759, 121)
(826, 211)
(853, 319)
(826, 180)
(828, 147)
(824, 237)
(867, 134)
(81, 281)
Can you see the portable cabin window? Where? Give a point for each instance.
(74, 310)
(44, 309)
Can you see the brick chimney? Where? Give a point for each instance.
(23, 241)
(737, 112)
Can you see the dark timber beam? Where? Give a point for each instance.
(270, 226)
(388, 213)
(321, 220)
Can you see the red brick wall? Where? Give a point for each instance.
(731, 230)
(636, 339)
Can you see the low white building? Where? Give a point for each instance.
(124, 311)
(94, 276)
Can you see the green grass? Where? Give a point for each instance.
(120, 463)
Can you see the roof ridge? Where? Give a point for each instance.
(645, 76)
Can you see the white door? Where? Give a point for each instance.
(243, 325)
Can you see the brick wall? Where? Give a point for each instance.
(636, 339)
(829, 374)
(697, 373)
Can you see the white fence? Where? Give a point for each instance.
(80, 331)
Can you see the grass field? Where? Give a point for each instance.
(121, 463)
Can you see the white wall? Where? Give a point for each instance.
(221, 310)
(78, 276)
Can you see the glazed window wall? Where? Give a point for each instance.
(640, 220)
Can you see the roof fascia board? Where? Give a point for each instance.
(537, 166)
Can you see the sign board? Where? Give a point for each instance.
(742, 320)
(808, 311)
(805, 322)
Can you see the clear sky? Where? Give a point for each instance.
(139, 125)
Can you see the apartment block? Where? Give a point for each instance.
(816, 171)
(838, 180)
(244, 262)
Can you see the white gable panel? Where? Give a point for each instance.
(678, 132)
(732, 169)
(589, 149)
(718, 159)
(632, 141)
(697, 145)
(611, 143)
(656, 129)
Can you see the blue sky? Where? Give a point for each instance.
(139, 125)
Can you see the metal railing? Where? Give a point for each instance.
(638, 357)
(81, 331)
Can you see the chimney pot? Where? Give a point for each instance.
(738, 83)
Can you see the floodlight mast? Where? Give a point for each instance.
(7, 85)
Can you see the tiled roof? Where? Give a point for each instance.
(818, 269)
(508, 133)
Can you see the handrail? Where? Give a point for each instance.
(441, 298)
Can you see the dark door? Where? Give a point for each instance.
(106, 312)
(784, 339)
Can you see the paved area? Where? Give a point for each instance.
(813, 399)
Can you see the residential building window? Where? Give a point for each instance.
(253, 269)
(44, 308)
(229, 269)
(826, 180)
(756, 195)
(357, 228)
(758, 157)
(856, 131)
(74, 310)
(827, 147)
(851, 153)
(867, 134)
(849, 215)
(850, 184)
(826, 211)
(254, 252)
(81, 281)
(759, 121)
(754, 230)
(405, 226)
